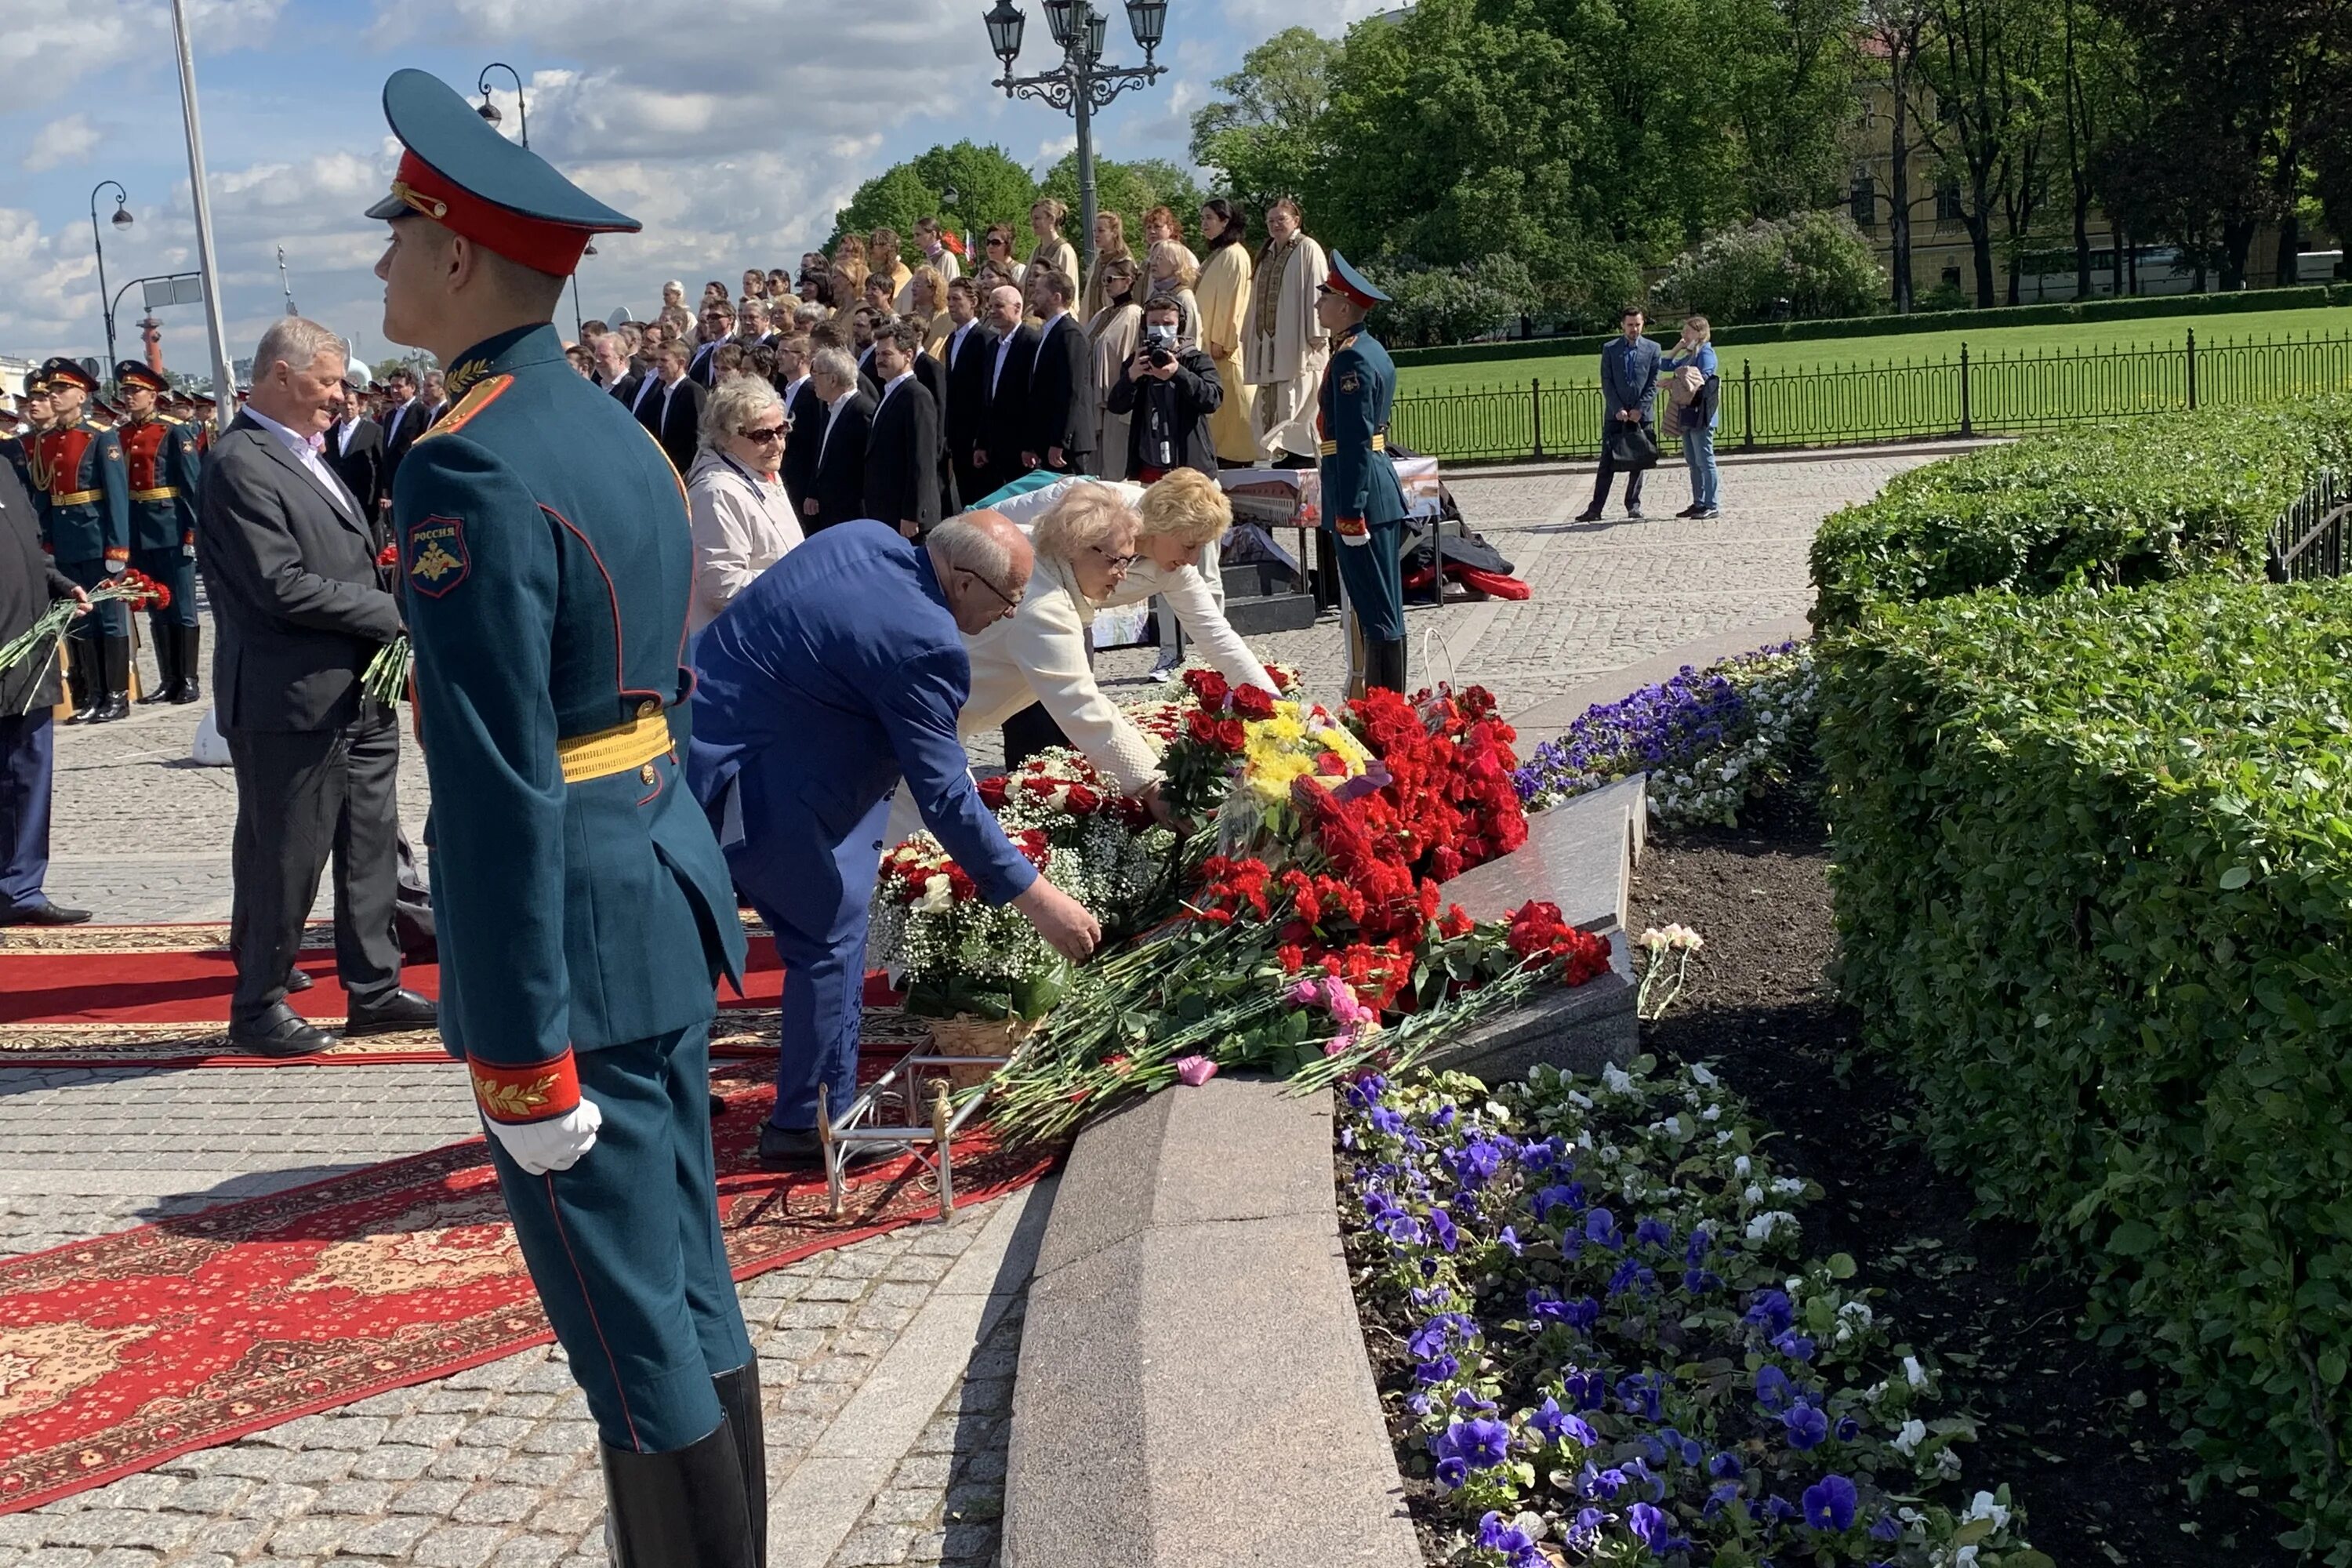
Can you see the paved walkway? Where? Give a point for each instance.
(887, 1364)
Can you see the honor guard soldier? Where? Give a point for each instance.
(584, 910)
(163, 462)
(1362, 501)
(84, 500)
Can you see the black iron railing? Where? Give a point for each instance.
(2307, 542)
(1966, 394)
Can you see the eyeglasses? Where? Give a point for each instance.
(1010, 602)
(772, 433)
(1116, 563)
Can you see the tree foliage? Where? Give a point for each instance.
(1263, 136)
(990, 188)
(1452, 304)
(1130, 190)
(1817, 262)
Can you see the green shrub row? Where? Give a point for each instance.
(2126, 308)
(2094, 889)
(2144, 500)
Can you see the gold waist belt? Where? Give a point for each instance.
(161, 492)
(76, 497)
(1380, 443)
(614, 751)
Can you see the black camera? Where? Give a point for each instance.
(1159, 346)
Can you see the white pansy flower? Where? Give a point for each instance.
(1915, 1372)
(1763, 1226)
(1983, 1505)
(1906, 1442)
(1741, 1166)
(1701, 1075)
(1753, 1196)
(1616, 1079)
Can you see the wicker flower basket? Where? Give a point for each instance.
(989, 1040)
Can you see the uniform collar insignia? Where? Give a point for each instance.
(510, 350)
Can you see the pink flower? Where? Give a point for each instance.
(1195, 1072)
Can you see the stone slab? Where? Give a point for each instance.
(1578, 855)
(1555, 715)
(1263, 615)
(1582, 1030)
(1192, 1302)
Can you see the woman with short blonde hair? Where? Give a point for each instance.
(741, 518)
(1173, 273)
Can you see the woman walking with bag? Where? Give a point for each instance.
(1693, 400)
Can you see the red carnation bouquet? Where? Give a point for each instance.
(130, 587)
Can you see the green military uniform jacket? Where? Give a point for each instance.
(1359, 482)
(545, 561)
(82, 494)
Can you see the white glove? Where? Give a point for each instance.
(540, 1147)
(1363, 537)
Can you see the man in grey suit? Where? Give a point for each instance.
(289, 560)
(1629, 395)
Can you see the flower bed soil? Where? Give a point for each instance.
(2074, 1429)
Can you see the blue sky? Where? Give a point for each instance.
(732, 127)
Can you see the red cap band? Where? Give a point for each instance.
(541, 246)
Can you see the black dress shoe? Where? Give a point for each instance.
(401, 1010)
(717, 1105)
(297, 981)
(780, 1147)
(1690, 511)
(1589, 514)
(279, 1032)
(44, 913)
(115, 706)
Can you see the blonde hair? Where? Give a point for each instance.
(1178, 260)
(1699, 325)
(1086, 514)
(930, 289)
(734, 403)
(1185, 504)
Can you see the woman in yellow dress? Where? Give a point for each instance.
(1222, 295)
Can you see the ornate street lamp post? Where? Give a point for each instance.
(122, 219)
(1081, 83)
(489, 110)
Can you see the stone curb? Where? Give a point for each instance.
(1928, 446)
(1194, 1387)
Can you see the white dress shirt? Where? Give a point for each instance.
(305, 450)
(832, 418)
(888, 387)
(397, 417)
(956, 338)
(996, 374)
(1045, 330)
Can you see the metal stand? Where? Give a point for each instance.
(863, 1128)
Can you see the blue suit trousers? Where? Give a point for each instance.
(27, 750)
(625, 1249)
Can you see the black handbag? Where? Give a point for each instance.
(1630, 446)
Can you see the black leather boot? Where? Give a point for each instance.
(1387, 662)
(167, 655)
(81, 658)
(189, 661)
(114, 667)
(738, 1392)
(684, 1509)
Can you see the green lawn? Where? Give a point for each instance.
(1854, 354)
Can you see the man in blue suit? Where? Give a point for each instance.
(841, 669)
(583, 909)
(1629, 395)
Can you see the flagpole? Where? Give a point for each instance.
(224, 383)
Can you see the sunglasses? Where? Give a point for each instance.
(772, 433)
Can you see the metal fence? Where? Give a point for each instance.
(1980, 394)
(2308, 541)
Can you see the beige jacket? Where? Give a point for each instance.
(742, 527)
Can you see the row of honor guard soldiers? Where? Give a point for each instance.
(116, 489)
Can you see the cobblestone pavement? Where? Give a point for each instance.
(497, 1465)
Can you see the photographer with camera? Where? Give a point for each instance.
(1169, 391)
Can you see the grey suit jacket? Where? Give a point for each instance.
(291, 569)
(1629, 377)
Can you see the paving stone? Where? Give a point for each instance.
(875, 1546)
(561, 1437)
(386, 1538)
(495, 1505)
(391, 1462)
(458, 1546)
(364, 1497)
(435, 1498)
(310, 1537)
(530, 1551)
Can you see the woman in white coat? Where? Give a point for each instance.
(741, 520)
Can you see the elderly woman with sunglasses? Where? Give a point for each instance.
(741, 519)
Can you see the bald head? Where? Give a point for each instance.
(982, 561)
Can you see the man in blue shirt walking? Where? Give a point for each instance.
(1629, 395)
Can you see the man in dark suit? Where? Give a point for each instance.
(1061, 383)
(616, 372)
(289, 563)
(966, 354)
(354, 450)
(718, 329)
(902, 447)
(806, 412)
(402, 423)
(837, 483)
(672, 410)
(29, 585)
(1004, 411)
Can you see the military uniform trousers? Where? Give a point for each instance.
(1373, 577)
(624, 1247)
(112, 619)
(176, 570)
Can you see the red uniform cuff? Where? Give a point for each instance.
(118, 558)
(1350, 526)
(536, 1092)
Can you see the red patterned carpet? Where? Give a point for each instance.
(159, 994)
(119, 1353)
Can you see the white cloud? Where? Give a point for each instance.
(48, 49)
(59, 142)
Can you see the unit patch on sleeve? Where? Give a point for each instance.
(437, 559)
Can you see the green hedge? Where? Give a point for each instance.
(2094, 886)
(2139, 502)
(2129, 307)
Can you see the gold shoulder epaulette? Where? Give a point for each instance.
(480, 396)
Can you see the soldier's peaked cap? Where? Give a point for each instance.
(58, 370)
(1346, 280)
(457, 171)
(138, 373)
